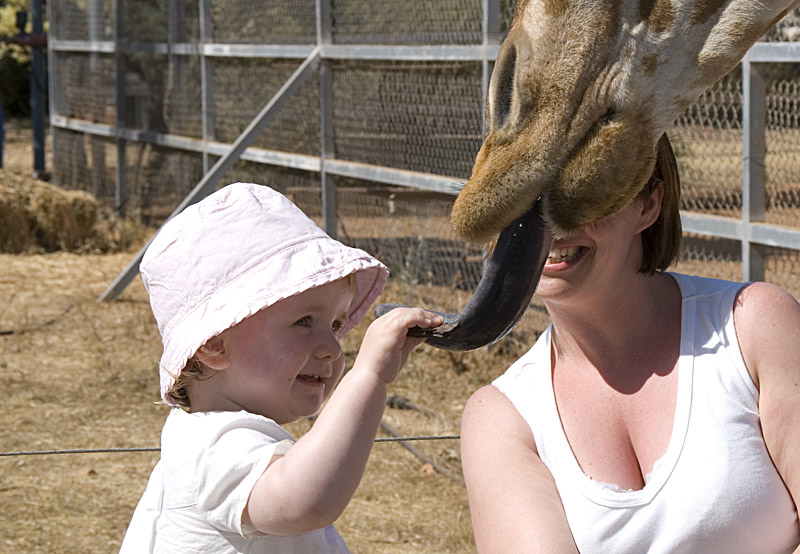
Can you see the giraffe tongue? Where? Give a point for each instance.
(509, 279)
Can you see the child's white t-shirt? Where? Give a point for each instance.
(198, 490)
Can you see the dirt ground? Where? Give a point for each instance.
(79, 374)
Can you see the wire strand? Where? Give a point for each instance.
(157, 449)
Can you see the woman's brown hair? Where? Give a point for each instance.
(661, 241)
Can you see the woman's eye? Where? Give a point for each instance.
(337, 326)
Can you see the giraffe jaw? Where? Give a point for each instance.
(507, 285)
(576, 185)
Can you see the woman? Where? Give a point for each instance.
(658, 413)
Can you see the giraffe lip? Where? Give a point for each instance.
(504, 292)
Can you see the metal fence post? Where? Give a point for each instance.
(206, 80)
(120, 191)
(754, 112)
(327, 146)
(38, 88)
(97, 145)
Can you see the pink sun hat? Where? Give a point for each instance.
(236, 252)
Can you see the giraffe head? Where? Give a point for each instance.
(581, 93)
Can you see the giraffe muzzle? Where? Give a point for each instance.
(509, 279)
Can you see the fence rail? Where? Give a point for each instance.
(148, 98)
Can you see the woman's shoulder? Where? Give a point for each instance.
(489, 410)
(762, 308)
(760, 294)
(767, 321)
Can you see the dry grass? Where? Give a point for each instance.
(81, 374)
(76, 373)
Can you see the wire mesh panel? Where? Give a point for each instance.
(84, 86)
(146, 20)
(81, 19)
(243, 86)
(507, 8)
(274, 22)
(157, 179)
(430, 22)
(710, 257)
(182, 101)
(302, 187)
(707, 139)
(418, 116)
(161, 21)
(409, 231)
(393, 108)
(72, 171)
(782, 267)
(783, 144)
(162, 94)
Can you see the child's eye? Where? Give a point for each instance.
(304, 321)
(337, 325)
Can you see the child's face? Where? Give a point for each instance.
(285, 360)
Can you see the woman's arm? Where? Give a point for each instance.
(512, 496)
(767, 321)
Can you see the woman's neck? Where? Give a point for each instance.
(619, 327)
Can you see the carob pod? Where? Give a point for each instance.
(507, 285)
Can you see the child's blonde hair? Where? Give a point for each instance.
(195, 370)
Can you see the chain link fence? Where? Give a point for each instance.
(145, 103)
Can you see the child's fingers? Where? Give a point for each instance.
(430, 319)
(415, 317)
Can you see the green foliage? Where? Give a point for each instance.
(8, 27)
(14, 80)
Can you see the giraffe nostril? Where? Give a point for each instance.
(502, 87)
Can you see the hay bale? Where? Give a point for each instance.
(16, 234)
(38, 216)
(55, 214)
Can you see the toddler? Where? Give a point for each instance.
(251, 298)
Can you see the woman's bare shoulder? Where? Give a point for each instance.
(767, 322)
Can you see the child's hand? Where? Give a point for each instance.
(386, 345)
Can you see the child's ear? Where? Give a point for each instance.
(213, 356)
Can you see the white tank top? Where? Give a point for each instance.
(715, 490)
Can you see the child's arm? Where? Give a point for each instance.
(311, 485)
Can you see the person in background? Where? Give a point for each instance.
(38, 40)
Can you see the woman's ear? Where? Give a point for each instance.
(213, 355)
(651, 207)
